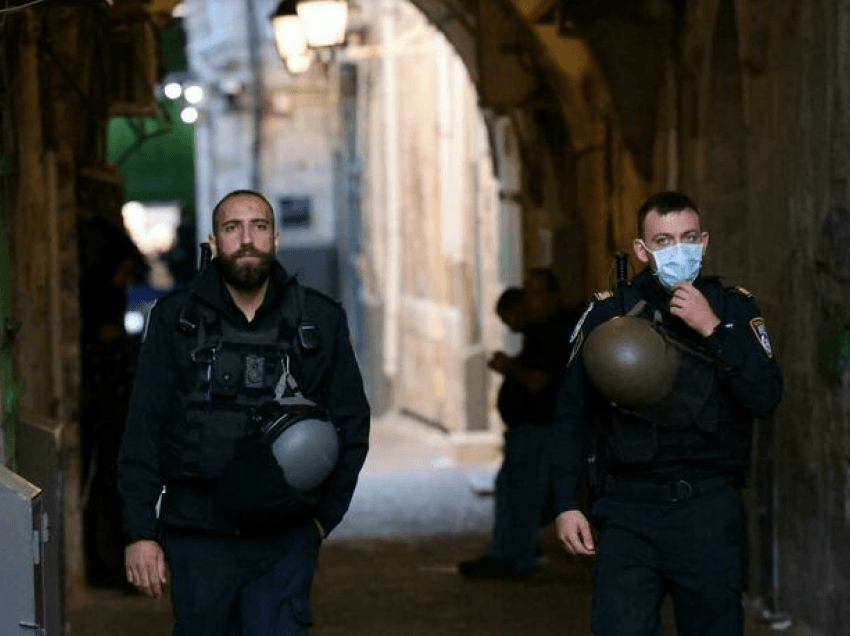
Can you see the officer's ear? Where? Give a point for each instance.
(641, 250)
(213, 244)
(276, 240)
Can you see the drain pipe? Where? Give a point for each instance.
(769, 575)
(10, 390)
(257, 85)
(51, 177)
(391, 163)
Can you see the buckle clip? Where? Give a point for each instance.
(681, 490)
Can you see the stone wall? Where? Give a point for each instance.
(67, 70)
(771, 164)
(446, 236)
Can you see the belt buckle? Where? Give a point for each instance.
(681, 490)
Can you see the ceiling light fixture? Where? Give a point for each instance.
(324, 21)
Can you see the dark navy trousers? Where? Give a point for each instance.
(521, 497)
(694, 550)
(242, 586)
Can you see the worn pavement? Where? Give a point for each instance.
(390, 568)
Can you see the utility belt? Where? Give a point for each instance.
(670, 492)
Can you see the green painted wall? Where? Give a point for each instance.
(156, 156)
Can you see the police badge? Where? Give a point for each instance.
(760, 332)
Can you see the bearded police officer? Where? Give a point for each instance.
(202, 490)
(669, 459)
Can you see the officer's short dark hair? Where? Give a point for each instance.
(509, 300)
(550, 278)
(237, 193)
(663, 203)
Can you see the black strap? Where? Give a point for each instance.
(308, 331)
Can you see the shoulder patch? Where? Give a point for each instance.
(602, 295)
(759, 328)
(743, 291)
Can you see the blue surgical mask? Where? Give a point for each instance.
(677, 264)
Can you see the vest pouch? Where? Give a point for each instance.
(176, 462)
(633, 440)
(227, 370)
(200, 446)
(711, 417)
(254, 495)
(220, 436)
(685, 405)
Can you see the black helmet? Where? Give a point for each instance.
(273, 480)
(629, 362)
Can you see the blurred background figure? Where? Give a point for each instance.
(110, 264)
(526, 405)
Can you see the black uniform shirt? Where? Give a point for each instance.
(545, 347)
(745, 370)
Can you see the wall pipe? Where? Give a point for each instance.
(257, 86)
(52, 205)
(392, 325)
(9, 389)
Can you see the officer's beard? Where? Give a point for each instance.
(246, 276)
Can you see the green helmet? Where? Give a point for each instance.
(629, 362)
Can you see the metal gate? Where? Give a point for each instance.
(23, 535)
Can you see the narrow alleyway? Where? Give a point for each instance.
(389, 569)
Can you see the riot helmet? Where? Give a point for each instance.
(629, 362)
(303, 440)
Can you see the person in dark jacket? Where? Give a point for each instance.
(212, 355)
(526, 403)
(668, 509)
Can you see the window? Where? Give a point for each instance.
(295, 211)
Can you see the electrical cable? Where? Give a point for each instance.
(142, 136)
(22, 6)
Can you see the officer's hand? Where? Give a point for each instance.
(145, 564)
(499, 362)
(573, 530)
(690, 305)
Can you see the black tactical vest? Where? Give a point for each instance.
(696, 423)
(236, 370)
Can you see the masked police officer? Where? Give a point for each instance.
(201, 489)
(668, 464)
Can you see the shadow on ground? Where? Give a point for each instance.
(403, 588)
(413, 589)
(390, 568)
(394, 588)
